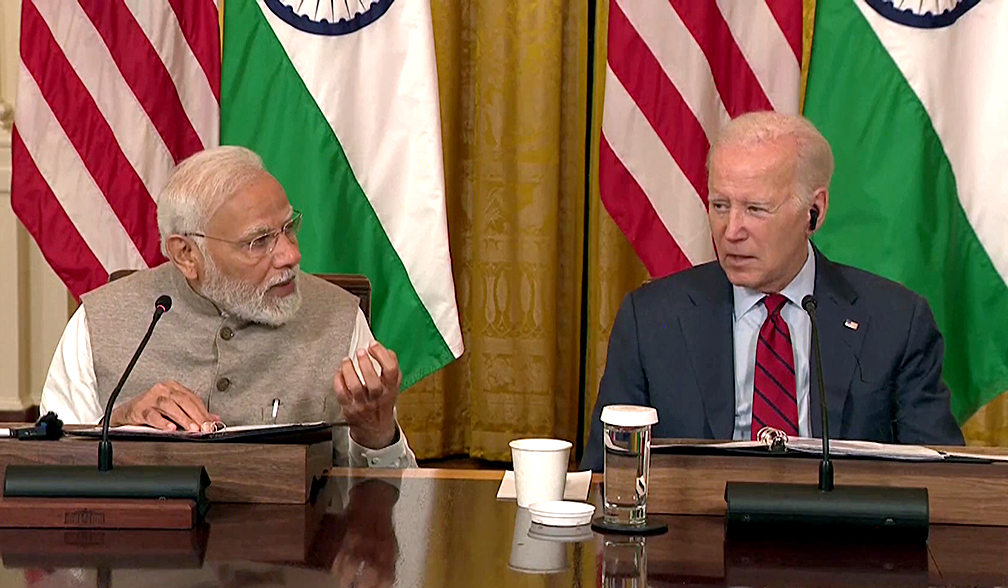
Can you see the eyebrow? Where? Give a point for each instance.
(261, 230)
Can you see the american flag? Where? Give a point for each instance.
(111, 95)
(676, 72)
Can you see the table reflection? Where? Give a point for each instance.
(447, 529)
(346, 532)
(624, 562)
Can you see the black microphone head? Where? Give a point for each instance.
(163, 302)
(809, 303)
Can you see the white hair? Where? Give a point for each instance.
(200, 185)
(814, 159)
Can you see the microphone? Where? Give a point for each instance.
(824, 512)
(180, 482)
(161, 306)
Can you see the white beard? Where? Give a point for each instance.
(248, 302)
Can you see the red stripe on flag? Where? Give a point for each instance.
(145, 73)
(90, 134)
(630, 208)
(41, 213)
(788, 14)
(201, 29)
(658, 99)
(740, 90)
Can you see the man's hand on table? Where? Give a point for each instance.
(168, 406)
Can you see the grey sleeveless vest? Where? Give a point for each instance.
(237, 368)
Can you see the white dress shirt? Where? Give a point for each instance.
(71, 390)
(748, 316)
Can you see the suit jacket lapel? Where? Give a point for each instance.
(708, 335)
(841, 331)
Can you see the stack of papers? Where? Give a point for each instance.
(838, 448)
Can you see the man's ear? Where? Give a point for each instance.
(820, 203)
(183, 253)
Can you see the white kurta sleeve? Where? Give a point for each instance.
(71, 388)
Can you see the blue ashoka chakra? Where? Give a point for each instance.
(922, 14)
(329, 17)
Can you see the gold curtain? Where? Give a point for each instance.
(513, 106)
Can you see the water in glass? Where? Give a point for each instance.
(625, 489)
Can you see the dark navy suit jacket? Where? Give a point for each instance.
(671, 348)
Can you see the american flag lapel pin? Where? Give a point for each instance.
(852, 325)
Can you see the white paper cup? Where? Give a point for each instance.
(540, 467)
(534, 556)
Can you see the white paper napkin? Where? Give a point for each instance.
(576, 488)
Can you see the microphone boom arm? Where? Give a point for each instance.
(105, 446)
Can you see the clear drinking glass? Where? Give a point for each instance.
(627, 441)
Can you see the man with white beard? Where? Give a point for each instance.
(250, 339)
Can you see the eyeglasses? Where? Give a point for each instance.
(263, 244)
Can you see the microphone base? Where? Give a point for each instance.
(846, 513)
(122, 482)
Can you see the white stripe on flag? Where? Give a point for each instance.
(91, 60)
(395, 154)
(681, 58)
(642, 152)
(160, 24)
(766, 49)
(64, 171)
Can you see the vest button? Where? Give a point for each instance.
(226, 333)
(223, 384)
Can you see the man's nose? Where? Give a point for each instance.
(735, 225)
(286, 253)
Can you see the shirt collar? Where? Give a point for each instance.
(801, 286)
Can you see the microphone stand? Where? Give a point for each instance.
(105, 446)
(756, 511)
(825, 466)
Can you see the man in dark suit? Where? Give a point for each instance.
(723, 350)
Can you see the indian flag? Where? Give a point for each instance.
(340, 99)
(913, 97)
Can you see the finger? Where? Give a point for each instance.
(169, 408)
(354, 386)
(389, 362)
(340, 387)
(193, 405)
(151, 417)
(372, 381)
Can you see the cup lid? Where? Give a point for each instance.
(628, 415)
(561, 513)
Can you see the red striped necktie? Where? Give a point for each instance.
(775, 400)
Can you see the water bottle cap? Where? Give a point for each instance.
(626, 415)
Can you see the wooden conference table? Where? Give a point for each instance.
(446, 528)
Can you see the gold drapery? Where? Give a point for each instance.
(513, 107)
